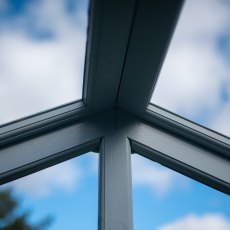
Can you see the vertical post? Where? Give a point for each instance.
(115, 208)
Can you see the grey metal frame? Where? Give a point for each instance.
(127, 41)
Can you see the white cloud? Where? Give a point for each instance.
(221, 122)
(39, 74)
(194, 222)
(159, 179)
(196, 68)
(62, 177)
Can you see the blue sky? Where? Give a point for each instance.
(43, 40)
(67, 193)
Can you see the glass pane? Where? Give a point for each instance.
(194, 81)
(42, 52)
(166, 200)
(64, 196)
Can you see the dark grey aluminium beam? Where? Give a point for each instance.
(37, 152)
(41, 122)
(115, 210)
(110, 22)
(187, 129)
(199, 161)
(115, 133)
(152, 30)
(194, 160)
(109, 34)
(180, 166)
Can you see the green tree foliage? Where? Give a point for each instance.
(10, 219)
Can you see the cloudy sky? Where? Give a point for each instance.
(42, 50)
(162, 198)
(195, 79)
(43, 40)
(67, 193)
(166, 200)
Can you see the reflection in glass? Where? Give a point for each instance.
(42, 52)
(194, 81)
(64, 196)
(166, 200)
